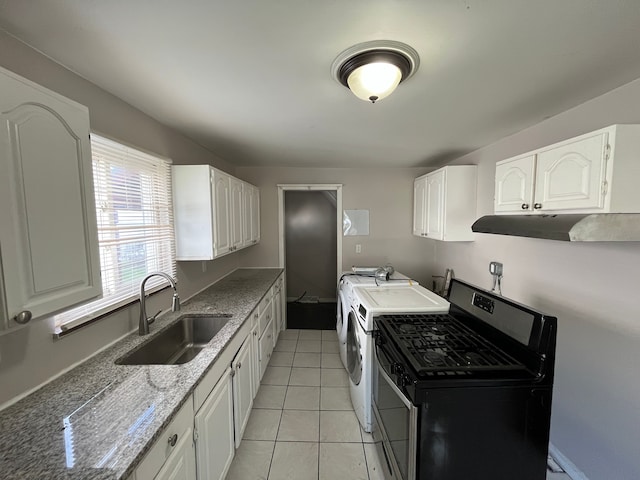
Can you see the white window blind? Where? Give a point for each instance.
(135, 226)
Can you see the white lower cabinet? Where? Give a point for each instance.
(214, 425)
(255, 354)
(181, 463)
(242, 388)
(266, 347)
(200, 441)
(173, 455)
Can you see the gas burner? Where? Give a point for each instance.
(407, 328)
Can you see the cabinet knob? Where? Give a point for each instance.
(173, 439)
(525, 206)
(537, 206)
(239, 365)
(23, 317)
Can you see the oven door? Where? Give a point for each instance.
(396, 420)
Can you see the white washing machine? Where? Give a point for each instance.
(369, 302)
(345, 300)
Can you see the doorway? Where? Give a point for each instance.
(311, 253)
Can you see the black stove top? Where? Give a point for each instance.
(441, 345)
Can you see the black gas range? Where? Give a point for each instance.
(465, 395)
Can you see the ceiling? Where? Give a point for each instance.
(251, 79)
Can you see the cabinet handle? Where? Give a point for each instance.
(537, 206)
(525, 206)
(239, 365)
(23, 317)
(173, 439)
(255, 334)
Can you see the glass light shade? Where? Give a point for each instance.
(374, 81)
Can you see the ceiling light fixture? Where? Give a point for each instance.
(373, 70)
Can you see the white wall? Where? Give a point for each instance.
(30, 356)
(386, 192)
(593, 289)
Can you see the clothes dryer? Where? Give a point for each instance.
(345, 300)
(367, 303)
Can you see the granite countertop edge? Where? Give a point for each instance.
(33, 441)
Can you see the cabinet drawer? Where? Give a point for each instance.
(264, 303)
(181, 425)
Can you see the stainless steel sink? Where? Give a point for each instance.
(180, 343)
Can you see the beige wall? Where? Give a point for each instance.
(386, 193)
(30, 356)
(593, 289)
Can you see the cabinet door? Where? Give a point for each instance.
(247, 206)
(194, 217)
(435, 205)
(266, 348)
(221, 201)
(255, 359)
(48, 232)
(419, 202)
(514, 185)
(215, 430)
(236, 213)
(572, 175)
(181, 464)
(277, 310)
(242, 388)
(255, 216)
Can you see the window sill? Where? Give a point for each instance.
(64, 330)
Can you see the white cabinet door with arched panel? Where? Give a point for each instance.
(514, 184)
(572, 176)
(48, 231)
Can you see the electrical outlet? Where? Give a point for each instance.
(495, 268)
(358, 248)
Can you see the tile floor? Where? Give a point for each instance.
(302, 426)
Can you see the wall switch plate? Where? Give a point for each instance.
(358, 248)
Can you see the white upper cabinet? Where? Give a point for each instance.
(251, 215)
(222, 212)
(236, 213)
(444, 203)
(209, 211)
(514, 184)
(48, 234)
(592, 173)
(419, 204)
(242, 384)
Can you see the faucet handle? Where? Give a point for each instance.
(150, 320)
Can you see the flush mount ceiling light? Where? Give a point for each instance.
(373, 70)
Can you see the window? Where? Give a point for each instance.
(135, 227)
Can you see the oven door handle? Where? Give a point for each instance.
(403, 398)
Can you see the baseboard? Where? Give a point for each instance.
(566, 464)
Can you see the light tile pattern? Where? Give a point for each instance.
(302, 425)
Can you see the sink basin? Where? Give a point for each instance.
(180, 343)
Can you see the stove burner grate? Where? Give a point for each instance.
(440, 345)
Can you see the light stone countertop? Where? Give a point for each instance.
(98, 420)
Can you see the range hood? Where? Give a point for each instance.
(605, 227)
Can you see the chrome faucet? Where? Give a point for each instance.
(143, 327)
